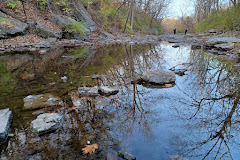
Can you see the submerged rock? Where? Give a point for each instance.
(47, 122)
(126, 155)
(5, 120)
(177, 157)
(159, 77)
(40, 101)
(106, 90)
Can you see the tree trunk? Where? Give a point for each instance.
(23, 5)
(125, 28)
(132, 13)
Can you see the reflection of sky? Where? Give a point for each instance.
(177, 5)
(172, 133)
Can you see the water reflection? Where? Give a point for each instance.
(195, 119)
(216, 105)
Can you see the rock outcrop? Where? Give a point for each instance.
(10, 26)
(221, 43)
(5, 121)
(47, 122)
(82, 15)
(64, 22)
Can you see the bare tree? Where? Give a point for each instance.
(153, 8)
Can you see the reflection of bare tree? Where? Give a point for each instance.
(217, 101)
(136, 63)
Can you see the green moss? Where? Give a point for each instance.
(75, 27)
(5, 22)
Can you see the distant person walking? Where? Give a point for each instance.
(174, 31)
(185, 31)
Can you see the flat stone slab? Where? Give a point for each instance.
(225, 46)
(159, 77)
(5, 121)
(88, 91)
(47, 122)
(106, 90)
(40, 101)
(221, 40)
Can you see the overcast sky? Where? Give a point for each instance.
(175, 8)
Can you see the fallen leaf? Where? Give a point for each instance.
(90, 148)
(72, 108)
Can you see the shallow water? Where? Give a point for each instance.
(198, 118)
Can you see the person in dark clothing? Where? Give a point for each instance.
(174, 31)
(185, 31)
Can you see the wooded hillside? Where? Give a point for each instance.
(69, 18)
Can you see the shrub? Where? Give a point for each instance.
(13, 4)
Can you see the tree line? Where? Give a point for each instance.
(204, 7)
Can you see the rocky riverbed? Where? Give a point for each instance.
(216, 43)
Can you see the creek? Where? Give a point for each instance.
(197, 118)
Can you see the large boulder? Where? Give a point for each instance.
(64, 22)
(47, 33)
(159, 77)
(5, 121)
(39, 101)
(47, 122)
(10, 26)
